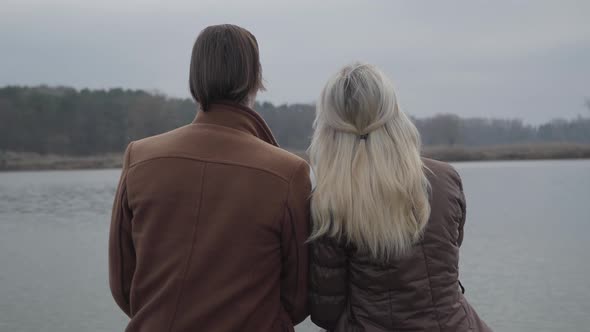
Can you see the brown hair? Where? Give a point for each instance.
(225, 65)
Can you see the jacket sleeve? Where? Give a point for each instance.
(294, 250)
(329, 282)
(121, 250)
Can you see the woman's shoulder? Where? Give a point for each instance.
(441, 172)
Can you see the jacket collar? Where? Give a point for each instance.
(237, 117)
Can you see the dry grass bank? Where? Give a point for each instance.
(33, 161)
(12, 161)
(509, 152)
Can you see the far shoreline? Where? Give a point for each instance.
(25, 161)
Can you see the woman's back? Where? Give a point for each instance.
(387, 224)
(420, 291)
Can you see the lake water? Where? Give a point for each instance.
(524, 260)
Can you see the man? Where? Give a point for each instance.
(210, 220)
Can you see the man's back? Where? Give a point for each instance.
(209, 226)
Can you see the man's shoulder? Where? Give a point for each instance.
(156, 139)
(220, 147)
(278, 160)
(153, 146)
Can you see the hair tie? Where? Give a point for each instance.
(364, 136)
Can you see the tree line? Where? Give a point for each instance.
(62, 120)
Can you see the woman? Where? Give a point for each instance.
(387, 225)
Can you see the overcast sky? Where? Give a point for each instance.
(516, 59)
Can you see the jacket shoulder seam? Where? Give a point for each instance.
(209, 161)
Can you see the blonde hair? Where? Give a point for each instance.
(371, 186)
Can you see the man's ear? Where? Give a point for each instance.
(251, 100)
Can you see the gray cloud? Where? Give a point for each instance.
(524, 59)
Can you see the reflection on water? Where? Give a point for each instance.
(524, 258)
